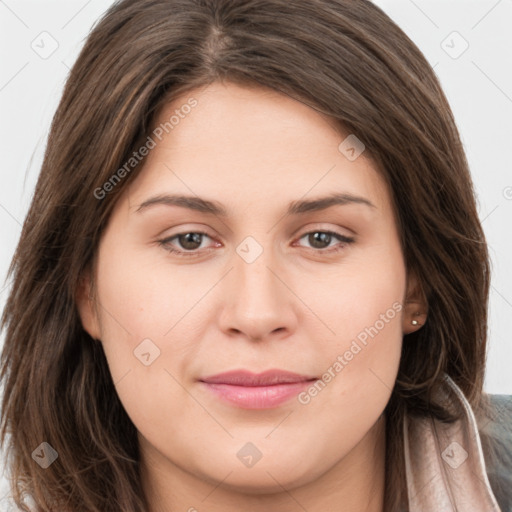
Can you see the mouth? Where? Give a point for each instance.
(248, 390)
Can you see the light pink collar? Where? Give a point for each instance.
(445, 468)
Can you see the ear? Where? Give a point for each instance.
(416, 306)
(86, 306)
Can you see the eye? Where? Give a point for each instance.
(190, 241)
(321, 240)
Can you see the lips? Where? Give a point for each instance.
(249, 390)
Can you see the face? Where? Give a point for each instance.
(259, 332)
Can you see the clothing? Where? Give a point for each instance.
(445, 465)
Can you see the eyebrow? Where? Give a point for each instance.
(215, 208)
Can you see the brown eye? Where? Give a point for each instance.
(190, 241)
(321, 240)
(187, 244)
(318, 239)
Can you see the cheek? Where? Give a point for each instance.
(141, 298)
(363, 306)
(359, 367)
(148, 313)
(139, 308)
(361, 299)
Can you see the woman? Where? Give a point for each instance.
(252, 276)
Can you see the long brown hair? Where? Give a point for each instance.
(344, 58)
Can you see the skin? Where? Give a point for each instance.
(296, 307)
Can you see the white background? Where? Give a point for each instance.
(478, 84)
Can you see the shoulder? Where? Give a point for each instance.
(495, 428)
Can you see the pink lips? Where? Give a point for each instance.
(265, 390)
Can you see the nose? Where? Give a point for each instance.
(258, 302)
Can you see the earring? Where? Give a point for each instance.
(415, 322)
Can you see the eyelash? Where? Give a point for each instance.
(345, 240)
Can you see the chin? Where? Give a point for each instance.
(245, 481)
(265, 476)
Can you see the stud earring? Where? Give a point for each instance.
(415, 322)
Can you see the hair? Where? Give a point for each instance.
(344, 58)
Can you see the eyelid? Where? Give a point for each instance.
(325, 227)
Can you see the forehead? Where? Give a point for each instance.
(252, 144)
